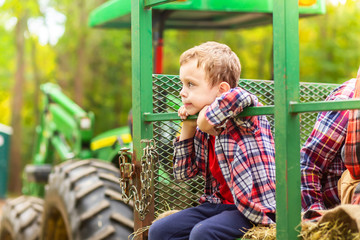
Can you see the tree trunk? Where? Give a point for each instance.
(81, 55)
(37, 82)
(16, 106)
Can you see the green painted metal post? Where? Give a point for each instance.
(5, 133)
(287, 126)
(141, 50)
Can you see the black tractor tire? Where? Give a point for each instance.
(21, 219)
(83, 201)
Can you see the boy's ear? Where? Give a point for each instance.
(223, 87)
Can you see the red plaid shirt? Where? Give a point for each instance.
(321, 162)
(246, 155)
(351, 147)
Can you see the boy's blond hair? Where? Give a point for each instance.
(220, 63)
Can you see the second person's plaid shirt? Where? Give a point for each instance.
(321, 162)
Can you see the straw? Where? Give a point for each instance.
(140, 231)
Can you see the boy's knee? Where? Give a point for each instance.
(155, 231)
(200, 232)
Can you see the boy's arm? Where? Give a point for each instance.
(204, 125)
(185, 165)
(229, 104)
(188, 128)
(185, 161)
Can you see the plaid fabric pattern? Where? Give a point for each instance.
(246, 155)
(352, 144)
(321, 162)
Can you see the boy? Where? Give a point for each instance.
(235, 155)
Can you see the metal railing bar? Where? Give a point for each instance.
(322, 106)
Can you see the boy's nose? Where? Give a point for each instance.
(182, 92)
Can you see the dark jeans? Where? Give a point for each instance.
(206, 221)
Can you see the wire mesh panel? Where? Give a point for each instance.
(171, 194)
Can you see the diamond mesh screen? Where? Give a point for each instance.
(170, 194)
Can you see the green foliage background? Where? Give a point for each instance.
(329, 52)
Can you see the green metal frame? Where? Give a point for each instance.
(210, 14)
(286, 109)
(287, 125)
(141, 50)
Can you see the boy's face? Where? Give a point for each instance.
(196, 91)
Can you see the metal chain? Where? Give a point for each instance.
(126, 172)
(128, 190)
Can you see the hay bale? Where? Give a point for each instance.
(165, 214)
(334, 230)
(140, 231)
(267, 232)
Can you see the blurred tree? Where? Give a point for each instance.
(7, 47)
(111, 66)
(329, 45)
(93, 65)
(37, 78)
(253, 47)
(17, 103)
(72, 49)
(21, 11)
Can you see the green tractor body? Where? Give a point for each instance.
(66, 132)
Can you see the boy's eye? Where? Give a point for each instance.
(190, 84)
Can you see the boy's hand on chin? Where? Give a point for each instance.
(183, 114)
